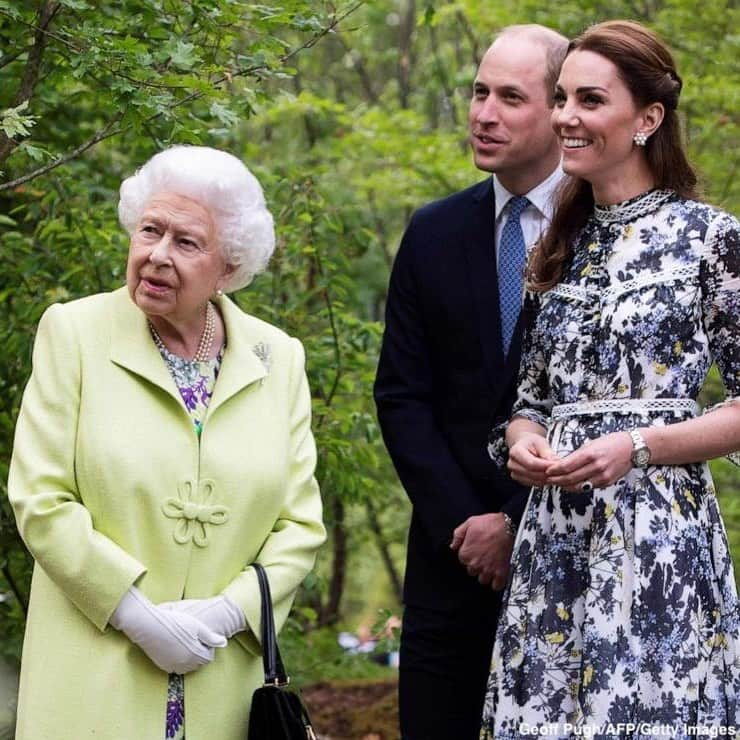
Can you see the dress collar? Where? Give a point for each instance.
(629, 210)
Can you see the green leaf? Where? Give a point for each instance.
(224, 114)
(183, 55)
(14, 124)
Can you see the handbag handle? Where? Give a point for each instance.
(271, 661)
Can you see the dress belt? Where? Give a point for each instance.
(626, 406)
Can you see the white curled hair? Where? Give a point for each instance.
(220, 182)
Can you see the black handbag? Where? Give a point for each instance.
(277, 713)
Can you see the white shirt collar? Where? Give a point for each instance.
(540, 196)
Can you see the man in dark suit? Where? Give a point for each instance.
(447, 373)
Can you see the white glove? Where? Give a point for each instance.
(175, 642)
(219, 613)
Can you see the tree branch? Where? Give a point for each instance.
(358, 64)
(449, 93)
(8, 58)
(14, 588)
(729, 182)
(405, 50)
(45, 31)
(104, 133)
(467, 29)
(329, 303)
(382, 543)
(31, 72)
(264, 67)
(324, 31)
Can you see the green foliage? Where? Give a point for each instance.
(141, 70)
(315, 655)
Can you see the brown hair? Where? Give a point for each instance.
(647, 68)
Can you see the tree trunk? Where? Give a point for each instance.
(406, 31)
(385, 553)
(308, 124)
(331, 612)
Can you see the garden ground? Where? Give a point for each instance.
(353, 710)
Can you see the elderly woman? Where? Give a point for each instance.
(622, 608)
(163, 445)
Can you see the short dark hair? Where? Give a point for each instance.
(554, 44)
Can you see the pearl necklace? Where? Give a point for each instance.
(205, 345)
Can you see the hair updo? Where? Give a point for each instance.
(646, 66)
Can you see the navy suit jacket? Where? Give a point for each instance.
(442, 383)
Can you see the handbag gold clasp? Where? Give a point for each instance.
(277, 682)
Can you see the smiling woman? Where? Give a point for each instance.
(621, 606)
(142, 483)
(597, 119)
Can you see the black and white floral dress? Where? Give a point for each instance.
(621, 606)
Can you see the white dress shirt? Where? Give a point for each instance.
(536, 217)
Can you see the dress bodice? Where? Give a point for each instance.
(648, 301)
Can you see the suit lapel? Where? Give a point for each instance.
(511, 367)
(480, 253)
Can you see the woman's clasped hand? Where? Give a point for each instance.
(600, 462)
(178, 636)
(176, 641)
(219, 613)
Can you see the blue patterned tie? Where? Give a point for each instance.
(512, 254)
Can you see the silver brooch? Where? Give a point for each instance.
(263, 351)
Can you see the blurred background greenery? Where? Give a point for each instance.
(351, 114)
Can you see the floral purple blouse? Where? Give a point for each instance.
(195, 381)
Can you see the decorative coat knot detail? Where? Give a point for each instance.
(194, 513)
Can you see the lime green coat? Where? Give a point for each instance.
(111, 487)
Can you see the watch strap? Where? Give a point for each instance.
(640, 451)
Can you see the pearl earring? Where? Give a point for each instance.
(640, 138)
(219, 292)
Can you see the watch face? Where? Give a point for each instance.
(641, 457)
